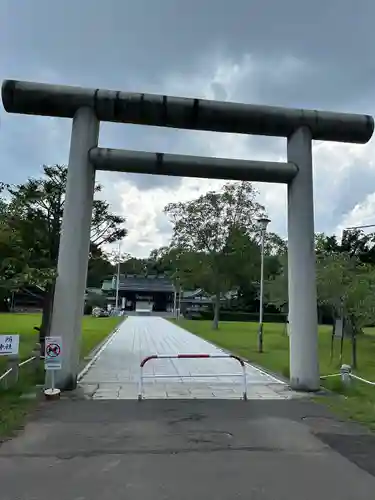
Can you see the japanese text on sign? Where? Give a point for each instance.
(9, 345)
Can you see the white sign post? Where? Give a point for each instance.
(52, 362)
(9, 345)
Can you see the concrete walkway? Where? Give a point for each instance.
(114, 374)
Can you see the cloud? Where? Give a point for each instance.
(362, 214)
(148, 227)
(281, 53)
(343, 173)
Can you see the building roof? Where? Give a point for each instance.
(158, 283)
(150, 283)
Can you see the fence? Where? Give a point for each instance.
(11, 376)
(347, 375)
(191, 356)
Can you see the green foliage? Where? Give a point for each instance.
(16, 264)
(347, 285)
(95, 299)
(354, 242)
(214, 236)
(276, 286)
(38, 205)
(208, 224)
(30, 227)
(343, 283)
(99, 267)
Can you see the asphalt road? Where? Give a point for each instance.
(191, 449)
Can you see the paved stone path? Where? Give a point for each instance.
(114, 374)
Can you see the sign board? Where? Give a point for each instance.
(53, 353)
(9, 345)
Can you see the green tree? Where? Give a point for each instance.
(249, 288)
(354, 242)
(16, 268)
(276, 286)
(163, 260)
(211, 230)
(36, 209)
(347, 285)
(132, 265)
(99, 267)
(39, 205)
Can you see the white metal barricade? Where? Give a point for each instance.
(191, 356)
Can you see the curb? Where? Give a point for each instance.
(98, 350)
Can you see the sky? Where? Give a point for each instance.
(294, 53)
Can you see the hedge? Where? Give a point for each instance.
(239, 316)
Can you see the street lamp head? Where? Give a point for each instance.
(263, 223)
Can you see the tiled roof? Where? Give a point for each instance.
(140, 283)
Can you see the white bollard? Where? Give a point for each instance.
(345, 372)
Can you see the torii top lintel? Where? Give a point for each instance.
(185, 113)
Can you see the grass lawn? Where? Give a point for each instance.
(12, 408)
(357, 403)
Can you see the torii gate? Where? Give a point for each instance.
(87, 107)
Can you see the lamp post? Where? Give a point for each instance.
(118, 276)
(177, 288)
(179, 299)
(263, 223)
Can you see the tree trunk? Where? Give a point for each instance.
(343, 329)
(46, 316)
(354, 351)
(333, 336)
(320, 315)
(54, 243)
(354, 344)
(215, 324)
(332, 341)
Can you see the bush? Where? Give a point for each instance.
(242, 316)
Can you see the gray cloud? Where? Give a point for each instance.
(356, 184)
(288, 53)
(163, 224)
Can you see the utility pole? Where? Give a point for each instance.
(118, 276)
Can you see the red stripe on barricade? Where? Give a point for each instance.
(193, 355)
